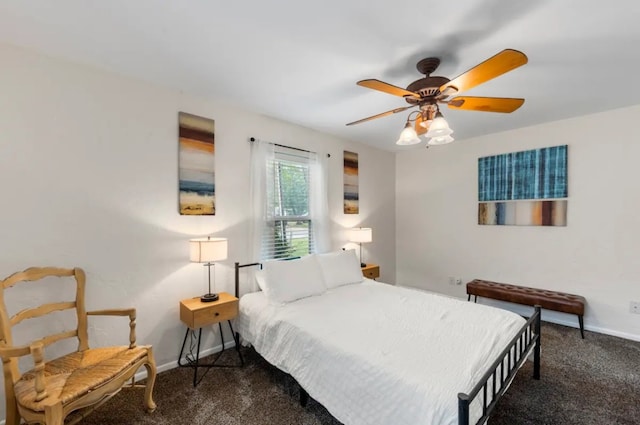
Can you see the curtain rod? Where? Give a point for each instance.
(253, 139)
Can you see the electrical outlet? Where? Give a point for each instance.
(634, 307)
(458, 281)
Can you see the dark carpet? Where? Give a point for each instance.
(595, 381)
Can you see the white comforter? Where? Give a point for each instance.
(374, 354)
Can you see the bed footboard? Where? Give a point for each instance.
(495, 381)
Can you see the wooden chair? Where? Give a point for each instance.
(77, 382)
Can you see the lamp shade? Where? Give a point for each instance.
(360, 234)
(206, 250)
(441, 140)
(439, 127)
(408, 136)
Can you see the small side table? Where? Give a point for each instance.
(372, 271)
(196, 315)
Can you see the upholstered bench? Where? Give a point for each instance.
(551, 300)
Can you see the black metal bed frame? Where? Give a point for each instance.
(515, 354)
(494, 382)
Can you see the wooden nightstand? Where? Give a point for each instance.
(372, 271)
(196, 315)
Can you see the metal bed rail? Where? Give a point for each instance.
(514, 355)
(239, 266)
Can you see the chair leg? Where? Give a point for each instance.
(13, 417)
(151, 380)
(53, 414)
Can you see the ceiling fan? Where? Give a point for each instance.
(428, 92)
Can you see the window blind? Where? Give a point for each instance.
(287, 231)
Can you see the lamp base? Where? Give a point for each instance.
(207, 298)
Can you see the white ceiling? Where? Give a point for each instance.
(299, 60)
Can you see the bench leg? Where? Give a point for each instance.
(581, 321)
(469, 297)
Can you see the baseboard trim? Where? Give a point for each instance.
(173, 364)
(597, 329)
(564, 319)
(550, 316)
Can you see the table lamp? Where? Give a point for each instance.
(207, 250)
(360, 235)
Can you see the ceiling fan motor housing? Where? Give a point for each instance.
(426, 87)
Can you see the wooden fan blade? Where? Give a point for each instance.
(493, 67)
(387, 88)
(420, 130)
(384, 114)
(486, 104)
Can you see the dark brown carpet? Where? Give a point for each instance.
(595, 381)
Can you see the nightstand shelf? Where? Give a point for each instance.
(196, 315)
(371, 271)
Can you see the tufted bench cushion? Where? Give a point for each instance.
(551, 300)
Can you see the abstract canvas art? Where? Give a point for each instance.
(196, 165)
(527, 188)
(351, 196)
(523, 213)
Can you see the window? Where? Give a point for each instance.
(289, 209)
(288, 232)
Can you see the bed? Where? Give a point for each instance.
(373, 353)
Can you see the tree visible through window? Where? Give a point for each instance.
(288, 226)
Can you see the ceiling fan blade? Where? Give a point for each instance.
(387, 88)
(420, 130)
(384, 114)
(486, 104)
(503, 62)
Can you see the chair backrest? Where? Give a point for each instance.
(6, 322)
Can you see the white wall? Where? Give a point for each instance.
(88, 165)
(594, 256)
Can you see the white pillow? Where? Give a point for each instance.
(260, 279)
(290, 280)
(340, 268)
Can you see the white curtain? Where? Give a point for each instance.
(318, 201)
(262, 153)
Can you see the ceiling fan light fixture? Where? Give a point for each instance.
(408, 136)
(439, 127)
(440, 140)
(438, 133)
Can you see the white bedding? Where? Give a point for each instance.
(373, 354)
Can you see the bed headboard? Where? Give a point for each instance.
(239, 266)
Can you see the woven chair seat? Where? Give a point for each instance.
(74, 375)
